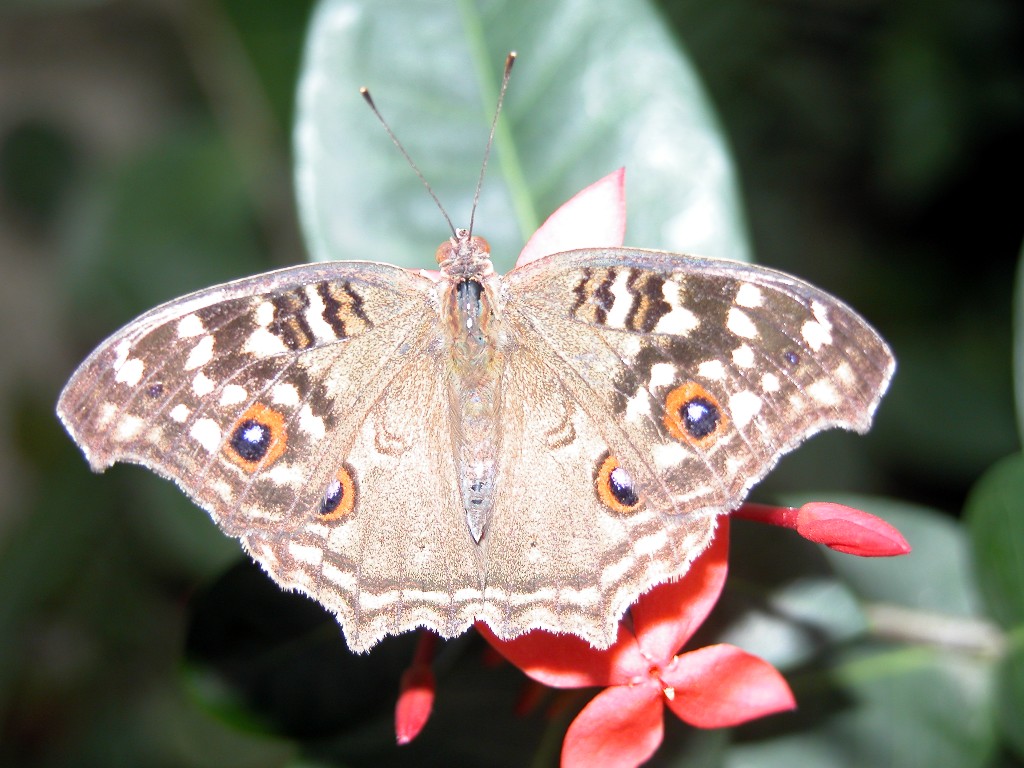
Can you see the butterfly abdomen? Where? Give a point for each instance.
(473, 327)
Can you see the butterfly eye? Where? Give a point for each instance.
(693, 414)
(340, 497)
(258, 438)
(615, 488)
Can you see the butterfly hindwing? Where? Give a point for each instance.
(561, 553)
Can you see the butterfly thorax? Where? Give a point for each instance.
(473, 330)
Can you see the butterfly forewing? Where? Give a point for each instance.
(707, 370)
(240, 392)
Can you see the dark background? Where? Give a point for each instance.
(145, 152)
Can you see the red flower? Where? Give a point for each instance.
(712, 687)
(416, 691)
(841, 528)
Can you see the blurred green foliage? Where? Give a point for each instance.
(145, 152)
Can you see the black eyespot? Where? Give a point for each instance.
(693, 415)
(340, 497)
(700, 417)
(251, 440)
(621, 486)
(258, 439)
(615, 488)
(155, 390)
(332, 498)
(791, 357)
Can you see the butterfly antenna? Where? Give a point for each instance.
(369, 100)
(509, 61)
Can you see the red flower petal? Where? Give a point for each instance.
(415, 701)
(849, 530)
(721, 686)
(667, 616)
(839, 527)
(621, 726)
(593, 218)
(566, 661)
(416, 691)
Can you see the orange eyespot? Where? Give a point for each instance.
(615, 488)
(340, 497)
(257, 439)
(694, 415)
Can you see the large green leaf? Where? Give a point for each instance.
(597, 86)
(901, 708)
(995, 518)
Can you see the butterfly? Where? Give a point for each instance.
(532, 450)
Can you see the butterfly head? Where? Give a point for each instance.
(465, 255)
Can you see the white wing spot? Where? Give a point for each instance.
(815, 334)
(711, 369)
(662, 374)
(107, 411)
(622, 301)
(743, 407)
(638, 406)
(121, 353)
(207, 434)
(770, 382)
(668, 455)
(189, 326)
(845, 373)
(233, 394)
(284, 474)
(679, 320)
(314, 315)
(306, 554)
(824, 392)
(631, 347)
(749, 296)
(201, 354)
(130, 372)
(202, 385)
(743, 356)
(285, 394)
(739, 323)
(733, 465)
(262, 343)
(179, 413)
(128, 427)
(310, 424)
(264, 313)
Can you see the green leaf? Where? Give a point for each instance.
(936, 576)
(878, 706)
(596, 87)
(1010, 696)
(995, 519)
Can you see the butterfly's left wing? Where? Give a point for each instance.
(693, 375)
